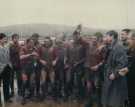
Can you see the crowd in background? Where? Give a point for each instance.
(97, 70)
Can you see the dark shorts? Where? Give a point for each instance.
(31, 68)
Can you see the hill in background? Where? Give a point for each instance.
(26, 30)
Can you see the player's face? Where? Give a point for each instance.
(3, 41)
(16, 39)
(124, 36)
(131, 42)
(47, 42)
(76, 37)
(31, 43)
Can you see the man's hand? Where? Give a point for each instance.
(112, 76)
(94, 68)
(123, 72)
(24, 77)
(43, 62)
(34, 54)
(100, 47)
(66, 66)
(54, 62)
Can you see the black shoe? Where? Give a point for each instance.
(23, 102)
(9, 101)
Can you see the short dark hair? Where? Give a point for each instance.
(28, 40)
(127, 30)
(76, 33)
(47, 37)
(35, 35)
(112, 33)
(15, 35)
(2, 35)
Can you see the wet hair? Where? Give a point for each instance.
(35, 35)
(126, 30)
(47, 37)
(14, 35)
(113, 34)
(28, 40)
(58, 41)
(98, 35)
(76, 33)
(2, 35)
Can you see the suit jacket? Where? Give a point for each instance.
(4, 57)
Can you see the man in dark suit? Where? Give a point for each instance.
(5, 67)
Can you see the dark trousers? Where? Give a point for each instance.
(78, 88)
(12, 73)
(131, 92)
(37, 70)
(60, 83)
(68, 83)
(37, 80)
(16, 71)
(5, 78)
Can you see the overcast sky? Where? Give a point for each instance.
(91, 13)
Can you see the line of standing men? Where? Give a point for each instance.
(67, 70)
